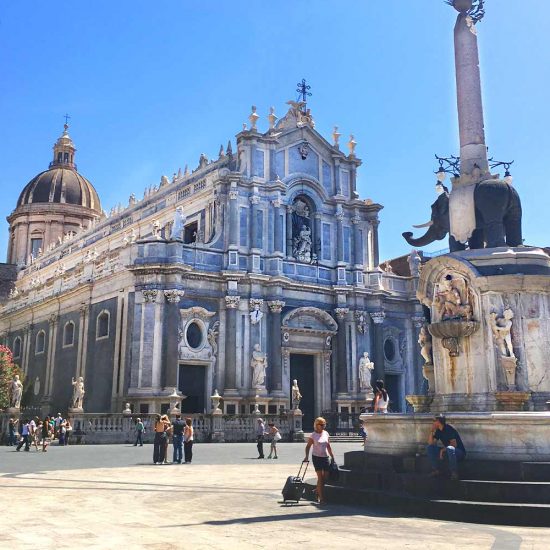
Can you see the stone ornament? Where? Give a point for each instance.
(155, 229)
(501, 328)
(216, 398)
(341, 313)
(366, 368)
(78, 393)
(336, 137)
(361, 321)
(149, 295)
(178, 224)
(425, 343)
(15, 392)
(258, 364)
(256, 314)
(254, 199)
(418, 321)
(351, 145)
(272, 118)
(378, 317)
(232, 302)
(253, 118)
(174, 296)
(276, 306)
(296, 395)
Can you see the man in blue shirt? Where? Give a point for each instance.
(177, 438)
(452, 450)
(25, 438)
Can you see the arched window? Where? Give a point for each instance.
(304, 240)
(68, 334)
(40, 343)
(16, 350)
(102, 325)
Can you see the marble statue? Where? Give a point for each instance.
(501, 328)
(258, 364)
(78, 393)
(178, 225)
(155, 229)
(15, 392)
(296, 395)
(366, 367)
(302, 245)
(414, 260)
(451, 299)
(425, 342)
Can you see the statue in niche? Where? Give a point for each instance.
(78, 393)
(178, 224)
(425, 342)
(414, 260)
(501, 328)
(452, 300)
(258, 364)
(296, 395)
(301, 231)
(15, 392)
(302, 245)
(155, 229)
(366, 368)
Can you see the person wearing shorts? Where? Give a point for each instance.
(320, 441)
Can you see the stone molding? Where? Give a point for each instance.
(323, 316)
(276, 306)
(196, 312)
(232, 302)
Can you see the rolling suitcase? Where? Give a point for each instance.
(294, 486)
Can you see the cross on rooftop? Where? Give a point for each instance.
(302, 90)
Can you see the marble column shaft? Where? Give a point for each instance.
(233, 221)
(341, 357)
(289, 231)
(358, 243)
(277, 229)
(170, 347)
(339, 238)
(231, 348)
(378, 347)
(275, 343)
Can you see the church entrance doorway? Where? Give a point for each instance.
(302, 369)
(192, 383)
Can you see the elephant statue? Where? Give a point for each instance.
(497, 214)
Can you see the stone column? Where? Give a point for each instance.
(254, 229)
(231, 305)
(171, 334)
(378, 344)
(357, 242)
(341, 357)
(233, 221)
(317, 234)
(277, 226)
(375, 250)
(289, 210)
(275, 344)
(468, 87)
(340, 236)
(50, 362)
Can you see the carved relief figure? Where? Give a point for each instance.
(258, 364)
(366, 368)
(302, 245)
(15, 392)
(212, 337)
(451, 299)
(78, 393)
(302, 238)
(425, 342)
(501, 328)
(296, 395)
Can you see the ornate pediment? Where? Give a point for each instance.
(310, 318)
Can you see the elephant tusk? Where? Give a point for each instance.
(427, 224)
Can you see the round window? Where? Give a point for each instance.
(194, 335)
(389, 349)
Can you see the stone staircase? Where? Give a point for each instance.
(508, 493)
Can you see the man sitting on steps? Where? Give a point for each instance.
(452, 449)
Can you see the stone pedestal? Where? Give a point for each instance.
(218, 435)
(295, 423)
(420, 403)
(14, 411)
(512, 400)
(73, 411)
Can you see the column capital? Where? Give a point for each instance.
(149, 295)
(276, 306)
(277, 203)
(356, 220)
(418, 320)
(378, 317)
(52, 320)
(232, 302)
(341, 312)
(253, 302)
(233, 194)
(254, 199)
(174, 296)
(340, 216)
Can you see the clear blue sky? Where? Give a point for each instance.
(151, 85)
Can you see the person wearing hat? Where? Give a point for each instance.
(452, 448)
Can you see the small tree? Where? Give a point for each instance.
(8, 369)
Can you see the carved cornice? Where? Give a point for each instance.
(323, 316)
(276, 306)
(174, 296)
(378, 317)
(232, 302)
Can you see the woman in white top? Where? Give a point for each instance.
(381, 399)
(275, 436)
(320, 441)
(188, 438)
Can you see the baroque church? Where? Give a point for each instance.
(266, 253)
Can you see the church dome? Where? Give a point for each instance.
(61, 183)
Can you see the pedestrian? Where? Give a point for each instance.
(275, 435)
(68, 431)
(452, 450)
(188, 437)
(363, 433)
(140, 430)
(167, 434)
(12, 429)
(32, 432)
(158, 444)
(24, 437)
(57, 423)
(381, 398)
(46, 434)
(62, 430)
(320, 441)
(37, 436)
(260, 434)
(177, 438)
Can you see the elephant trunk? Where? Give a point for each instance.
(434, 233)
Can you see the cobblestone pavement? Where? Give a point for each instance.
(113, 497)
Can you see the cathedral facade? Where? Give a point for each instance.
(253, 270)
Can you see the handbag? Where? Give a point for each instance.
(333, 472)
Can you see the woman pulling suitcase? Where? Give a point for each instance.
(320, 441)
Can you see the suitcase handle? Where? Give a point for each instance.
(306, 462)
